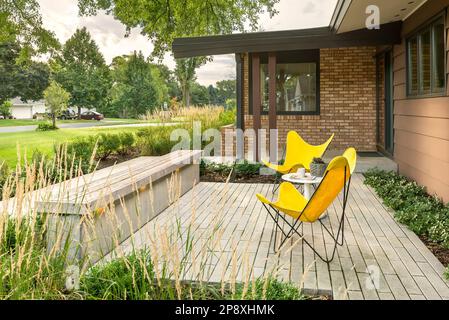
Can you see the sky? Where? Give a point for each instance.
(62, 18)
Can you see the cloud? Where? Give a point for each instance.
(309, 8)
(62, 18)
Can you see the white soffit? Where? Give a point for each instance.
(354, 17)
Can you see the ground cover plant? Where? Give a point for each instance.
(425, 215)
(239, 172)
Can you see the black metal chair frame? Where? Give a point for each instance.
(298, 223)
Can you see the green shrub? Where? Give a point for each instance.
(423, 214)
(155, 141)
(107, 144)
(127, 140)
(120, 279)
(247, 169)
(80, 151)
(82, 148)
(46, 126)
(229, 116)
(5, 109)
(244, 169)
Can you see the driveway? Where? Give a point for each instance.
(102, 124)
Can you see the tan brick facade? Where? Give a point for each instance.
(347, 106)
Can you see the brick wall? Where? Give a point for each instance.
(348, 102)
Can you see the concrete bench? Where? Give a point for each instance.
(96, 212)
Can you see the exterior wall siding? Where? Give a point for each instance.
(421, 125)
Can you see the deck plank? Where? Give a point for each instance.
(375, 245)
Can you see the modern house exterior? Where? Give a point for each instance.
(378, 90)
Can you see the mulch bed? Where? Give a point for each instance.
(219, 178)
(438, 251)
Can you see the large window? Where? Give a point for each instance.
(297, 83)
(426, 62)
(296, 87)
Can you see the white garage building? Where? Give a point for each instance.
(26, 110)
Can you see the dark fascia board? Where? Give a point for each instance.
(316, 38)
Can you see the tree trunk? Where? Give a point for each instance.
(187, 97)
(79, 113)
(54, 119)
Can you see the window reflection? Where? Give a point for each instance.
(296, 87)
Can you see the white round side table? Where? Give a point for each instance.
(308, 182)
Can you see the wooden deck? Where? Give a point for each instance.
(233, 240)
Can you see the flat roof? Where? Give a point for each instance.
(314, 38)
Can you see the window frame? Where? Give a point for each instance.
(284, 57)
(417, 35)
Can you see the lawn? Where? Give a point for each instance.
(26, 142)
(14, 123)
(107, 121)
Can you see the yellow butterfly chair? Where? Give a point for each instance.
(292, 203)
(298, 154)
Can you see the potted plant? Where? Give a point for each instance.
(318, 167)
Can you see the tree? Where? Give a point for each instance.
(138, 86)
(56, 100)
(169, 77)
(226, 91)
(162, 21)
(213, 95)
(185, 72)
(82, 71)
(5, 109)
(200, 95)
(25, 80)
(9, 71)
(21, 23)
(34, 79)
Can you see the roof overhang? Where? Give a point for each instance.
(316, 38)
(351, 14)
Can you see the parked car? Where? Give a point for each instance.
(92, 115)
(68, 115)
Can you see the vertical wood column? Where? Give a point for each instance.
(272, 115)
(256, 100)
(272, 90)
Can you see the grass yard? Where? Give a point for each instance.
(14, 123)
(27, 142)
(106, 122)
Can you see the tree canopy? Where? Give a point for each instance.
(24, 80)
(138, 86)
(82, 71)
(21, 23)
(162, 21)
